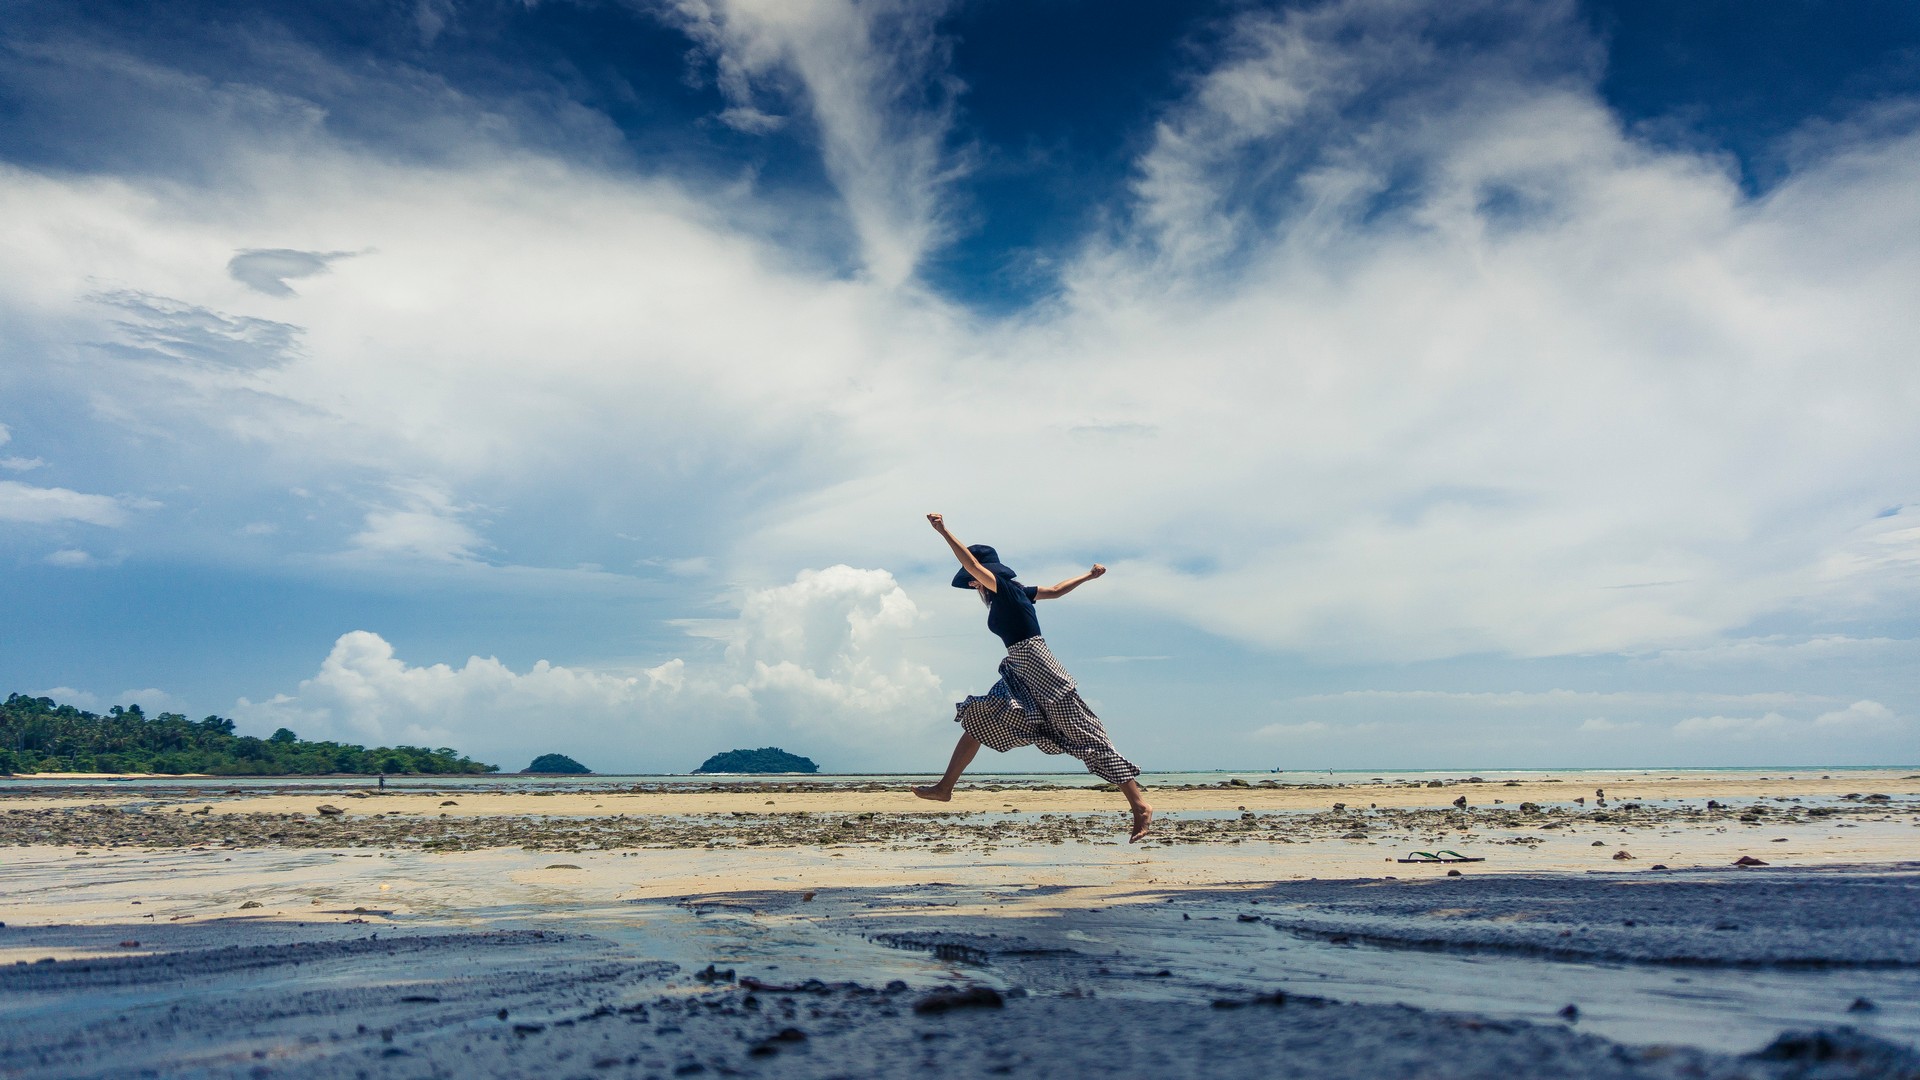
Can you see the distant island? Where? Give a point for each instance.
(767, 759)
(37, 735)
(555, 763)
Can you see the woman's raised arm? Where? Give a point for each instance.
(968, 561)
(1054, 592)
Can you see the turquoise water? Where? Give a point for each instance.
(601, 781)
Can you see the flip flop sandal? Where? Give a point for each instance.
(1444, 855)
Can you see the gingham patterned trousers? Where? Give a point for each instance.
(1035, 703)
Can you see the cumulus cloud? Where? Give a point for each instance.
(1738, 727)
(71, 557)
(814, 665)
(1861, 714)
(427, 524)
(151, 700)
(45, 505)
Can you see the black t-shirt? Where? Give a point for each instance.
(1010, 611)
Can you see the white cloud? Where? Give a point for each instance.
(1602, 725)
(1292, 731)
(872, 76)
(1869, 715)
(1564, 699)
(67, 695)
(151, 700)
(16, 464)
(46, 505)
(814, 665)
(1399, 350)
(70, 557)
(1782, 649)
(427, 525)
(1736, 727)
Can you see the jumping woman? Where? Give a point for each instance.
(1034, 703)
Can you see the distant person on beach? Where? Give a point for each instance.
(1035, 703)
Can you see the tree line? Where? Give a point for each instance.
(39, 735)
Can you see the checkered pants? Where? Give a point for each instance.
(1036, 704)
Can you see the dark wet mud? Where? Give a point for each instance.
(565, 1005)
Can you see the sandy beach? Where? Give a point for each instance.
(803, 928)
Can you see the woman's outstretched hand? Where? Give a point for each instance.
(939, 523)
(1096, 571)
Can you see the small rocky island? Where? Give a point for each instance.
(767, 759)
(556, 763)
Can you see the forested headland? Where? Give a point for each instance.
(39, 735)
(767, 759)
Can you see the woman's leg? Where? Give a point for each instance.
(1142, 813)
(962, 756)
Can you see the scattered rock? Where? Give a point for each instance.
(449, 802)
(328, 810)
(973, 997)
(1599, 843)
(1622, 855)
(1861, 1004)
(1748, 860)
(249, 904)
(132, 944)
(1658, 866)
(1453, 873)
(1461, 802)
(560, 866)
(1435, 783)
(1529, 807)
(1855, 1053)
(1570, 1013)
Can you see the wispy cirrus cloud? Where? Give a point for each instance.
(872, 78)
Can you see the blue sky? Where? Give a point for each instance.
(1466, 384)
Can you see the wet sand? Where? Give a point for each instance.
(646, 933)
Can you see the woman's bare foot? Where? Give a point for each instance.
(1142, 821)
(934, 793)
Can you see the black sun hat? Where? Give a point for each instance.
(989, 558)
